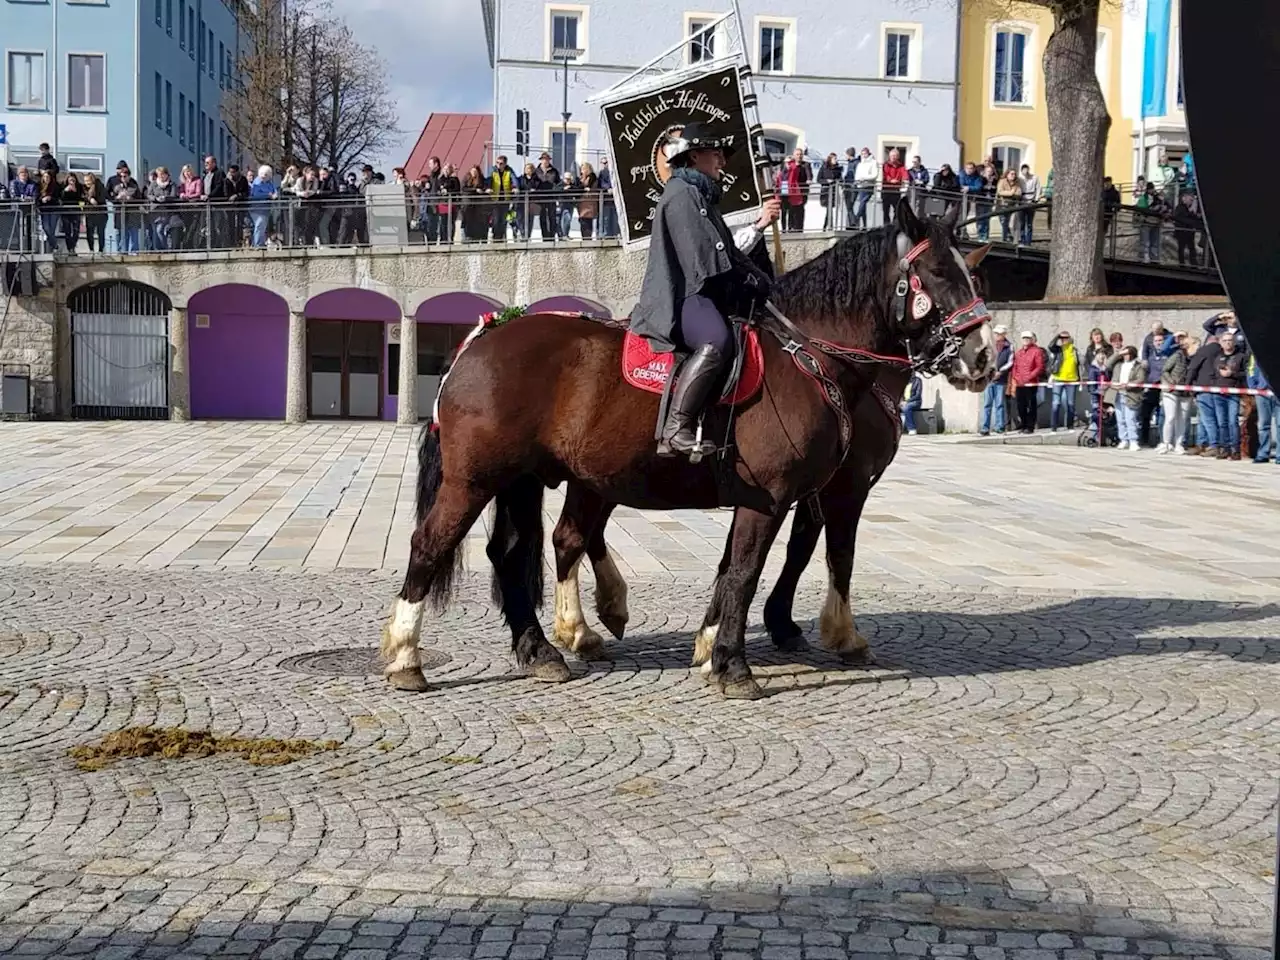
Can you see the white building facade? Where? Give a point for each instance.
(878, 73)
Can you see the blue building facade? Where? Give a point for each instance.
(107, 80)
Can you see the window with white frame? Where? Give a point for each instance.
(25, 80)
(702, 39)
(1010, 81)
(566, 29)
(86, 81)
(773, 47)
(83, 163)
(1102, 60)
(902, 48)
(1009, 155)
(566, 151)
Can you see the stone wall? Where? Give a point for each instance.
(27, 346)
(960, 412)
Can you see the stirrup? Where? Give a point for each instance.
(696, 453)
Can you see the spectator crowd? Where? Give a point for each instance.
(1133, 394)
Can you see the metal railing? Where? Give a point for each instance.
(555, 217)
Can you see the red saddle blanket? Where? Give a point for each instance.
(647, 370)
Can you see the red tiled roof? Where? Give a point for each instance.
(458, 138)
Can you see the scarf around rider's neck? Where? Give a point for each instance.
(709, 188)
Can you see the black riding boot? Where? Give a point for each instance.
(696, 380)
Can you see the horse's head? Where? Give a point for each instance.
(935, 305)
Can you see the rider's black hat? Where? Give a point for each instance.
(695, 136)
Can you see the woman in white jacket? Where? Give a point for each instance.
(866, 176)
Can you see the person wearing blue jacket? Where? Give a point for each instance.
(993, 397)
(1268, 414)
(911, 403)
(974, 185)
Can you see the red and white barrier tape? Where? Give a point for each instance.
(1229, 391)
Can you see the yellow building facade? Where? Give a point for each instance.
(1001, 110)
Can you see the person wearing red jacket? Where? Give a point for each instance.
(792, 183)
(894, 178)
(1028, 370)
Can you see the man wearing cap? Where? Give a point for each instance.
(545, 179)
(993, 397)
(1028, 368)
(1064, 376)
(698, 274)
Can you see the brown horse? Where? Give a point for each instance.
(877, 432)
(540, 400)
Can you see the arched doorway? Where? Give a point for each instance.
(119, 352)
(570, 304)
(347, 341)
(238, 343)
(443, 323)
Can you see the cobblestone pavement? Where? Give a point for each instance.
(1053, 759)
(327, 496)
(1019, 779)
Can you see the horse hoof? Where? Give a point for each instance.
(410, 679)
(593, 652)
(858, 657)
(551, 671)
(791, 643)
(746, 689)
(616, 625)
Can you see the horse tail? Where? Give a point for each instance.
(430, 479)
(515, 548)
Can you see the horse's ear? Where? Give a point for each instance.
(909, 222)
(976, 256)
(951, 217)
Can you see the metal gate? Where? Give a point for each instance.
(119, 352)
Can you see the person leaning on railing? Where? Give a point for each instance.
(95, 213)
(48, 200)
(1008, 194)
(190, 201)
(71, 199)
(589, 205)
(166, 220)
(126, 197)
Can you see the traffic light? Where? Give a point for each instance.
(522, 133)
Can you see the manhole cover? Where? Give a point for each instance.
(353, 662)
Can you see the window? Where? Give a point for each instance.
(159, 13)
(1011, 54)
(773, 43)
(159, 102)
(182, 119)
(86, 81)
(26, 79)
(201, 141)
(776, 46)
(897, 55)
(566, 153)
(1007, 155)
(702, 40)
(566, 28)
(182, 29)
(222, 65)
(564, 31)
(168, 17)
(78, 163)
(191, 124)
(168, 108)
(201, 45)
(210, 49)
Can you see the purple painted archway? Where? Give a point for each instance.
(571, 305)
(443, 321)
(352, 303)
(238, 337)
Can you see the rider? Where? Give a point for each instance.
(697, 275)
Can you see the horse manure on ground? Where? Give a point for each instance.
(174, 743)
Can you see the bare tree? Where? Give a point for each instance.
(346, 112)
(307, 91)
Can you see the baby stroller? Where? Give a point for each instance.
(1109, 436)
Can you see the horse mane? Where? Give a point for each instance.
(849, 277)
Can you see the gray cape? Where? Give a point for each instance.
(690, 246)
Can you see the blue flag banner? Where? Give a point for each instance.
(1155, 59)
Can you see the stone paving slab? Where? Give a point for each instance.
(333, 496)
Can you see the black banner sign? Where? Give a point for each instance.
(638, 129)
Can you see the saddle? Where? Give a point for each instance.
(647, 370)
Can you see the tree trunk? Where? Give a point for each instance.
(1078, 128)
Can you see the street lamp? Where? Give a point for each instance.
(565, 55)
